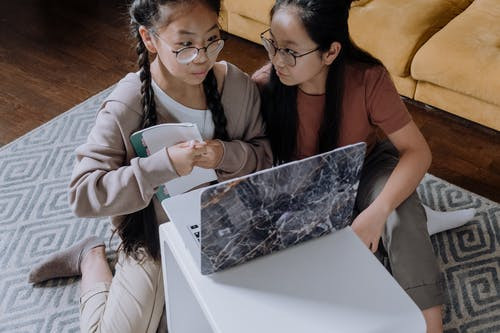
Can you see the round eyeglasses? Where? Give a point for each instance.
(187, 54)
(288, 56)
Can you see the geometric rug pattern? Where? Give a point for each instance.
(469, 258)
(35, 220)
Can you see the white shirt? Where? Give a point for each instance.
(183, 114)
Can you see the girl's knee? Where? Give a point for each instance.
(406, 223)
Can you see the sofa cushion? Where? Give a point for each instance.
(471, 108)
(244, 27)
(465, 55)
(393, 30)
(257, 10)
(405, 85)
(223, 20)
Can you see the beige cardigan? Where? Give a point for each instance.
(110, 180)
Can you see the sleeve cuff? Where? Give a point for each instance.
(157, 168)
(232, 157)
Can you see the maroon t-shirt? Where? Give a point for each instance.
(370, 101)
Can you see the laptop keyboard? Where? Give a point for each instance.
(195, 231)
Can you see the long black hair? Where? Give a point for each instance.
(139, 230)
(325, 22)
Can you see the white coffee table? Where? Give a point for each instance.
(331, 284)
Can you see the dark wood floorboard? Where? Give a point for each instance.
(55, 54)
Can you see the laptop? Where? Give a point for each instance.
(232, 222)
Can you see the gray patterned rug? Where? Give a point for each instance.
(35, 220)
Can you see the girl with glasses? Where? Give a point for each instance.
(183, 83)
(321, 92)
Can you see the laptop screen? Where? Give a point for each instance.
(273, 209)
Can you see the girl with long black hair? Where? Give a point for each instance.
(322, 92)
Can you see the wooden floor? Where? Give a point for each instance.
(55, 54)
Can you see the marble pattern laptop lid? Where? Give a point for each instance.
(276, 208)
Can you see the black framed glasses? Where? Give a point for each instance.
(288, 56)
(187, 54)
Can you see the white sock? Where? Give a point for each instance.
(438, 221)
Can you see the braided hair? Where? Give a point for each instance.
(139, 230)
(147, 95)
(214, 104)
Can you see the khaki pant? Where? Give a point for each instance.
(133, 302)
(406, 249)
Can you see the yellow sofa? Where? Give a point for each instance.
(246, 18)
(444, 53)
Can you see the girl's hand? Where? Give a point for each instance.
(369, 225)
(212, 156)
(184, 154)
